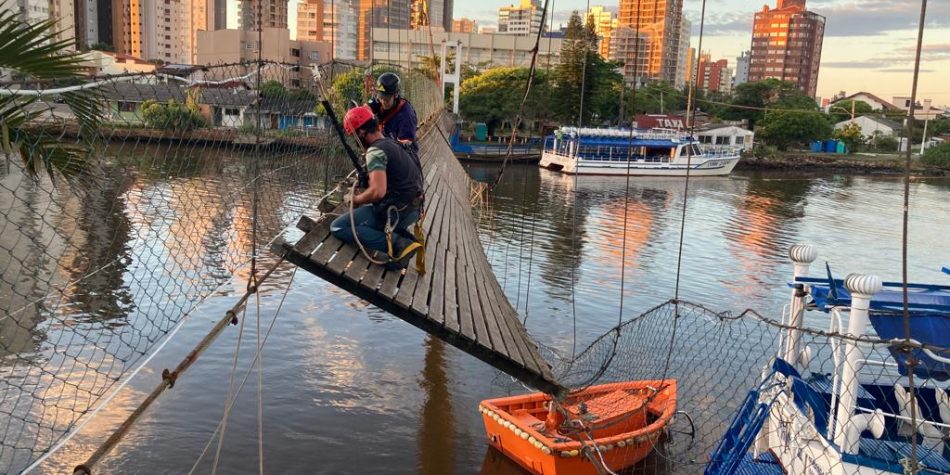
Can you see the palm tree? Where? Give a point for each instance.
(32, 52)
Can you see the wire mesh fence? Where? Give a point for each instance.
(741, 408)
(125, 201)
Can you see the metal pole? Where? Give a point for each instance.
(862, 288)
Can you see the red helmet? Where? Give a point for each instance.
(356, 117)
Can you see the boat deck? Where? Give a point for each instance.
(458, 299)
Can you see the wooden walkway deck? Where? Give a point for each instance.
(459, 299)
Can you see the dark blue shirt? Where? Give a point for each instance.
(402, 125)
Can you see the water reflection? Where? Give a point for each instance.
(437, 424)
(368, 388)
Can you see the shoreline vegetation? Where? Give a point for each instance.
(859, 163)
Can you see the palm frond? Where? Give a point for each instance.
(87, 106)
(31, 48)
(38, 150)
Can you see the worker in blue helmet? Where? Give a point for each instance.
(395, 113)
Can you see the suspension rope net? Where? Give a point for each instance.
(107, 252)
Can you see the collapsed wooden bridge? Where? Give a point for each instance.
(458, 299)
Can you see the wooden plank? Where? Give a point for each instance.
(373, 277)
(483, 312)
(456, 264)
(450, 310)
(358, 268)
(326, 250)
(407, 290)
(339, 262)
(470, 305)
(390, 284)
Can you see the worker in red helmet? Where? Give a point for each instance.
(383, 212)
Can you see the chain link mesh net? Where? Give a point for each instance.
(716, 359)
(187, 174)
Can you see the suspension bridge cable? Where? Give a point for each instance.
(911, 359)
(527, 91)
(247, 374)
(580, 123)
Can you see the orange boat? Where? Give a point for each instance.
(624, 420)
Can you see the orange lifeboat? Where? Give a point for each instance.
(624, 420)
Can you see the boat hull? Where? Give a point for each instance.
(715, 166)
(632, 417)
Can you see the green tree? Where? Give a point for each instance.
(841, 111)
(852, 137)
(937, 156)
(494, 96)
(273, 89)
(32, 52)
(788, 128)
(749, 100)
(654, 98)
(583, 71)
(883, 143)
(171, 115)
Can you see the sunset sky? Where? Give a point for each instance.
(869, 44)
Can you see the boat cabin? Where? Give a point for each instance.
(622, 145)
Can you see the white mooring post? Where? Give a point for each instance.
(862, 288)
(802, 256)
(454, 78)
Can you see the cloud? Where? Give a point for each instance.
(866, 64)
(873, 17)
(904, 70)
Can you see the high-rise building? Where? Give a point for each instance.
(464, 25)
(408, 47)
(64, 13)
(340, 27)
(392, 14)
(273, 14)
(715, 76)
(310, 20)
(523, 20)
(662, 20)
(166, 31)
(683, 59)
(219, 15)
(605, 22)
(742, 69)
(425, 13)
(786, 45)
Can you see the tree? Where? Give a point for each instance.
(171, 115)
(273, 89)
(883, 143)
(841, 111)
(786, 128)
(654, 98)
(31, 51)
(102, 47)
(494, 96)
(851, 135)
(584, 76)
(751, 98)
(937, 156)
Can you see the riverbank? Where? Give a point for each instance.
(219, 137)
(858, 163)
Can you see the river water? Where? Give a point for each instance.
(347, 388)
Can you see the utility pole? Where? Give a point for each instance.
(852, 110)
(923, 140)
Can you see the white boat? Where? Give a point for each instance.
(857, 419)
(654, 152)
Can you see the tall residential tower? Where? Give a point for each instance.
(786, 45)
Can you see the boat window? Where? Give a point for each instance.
(659, 154)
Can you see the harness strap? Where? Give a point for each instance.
(392, 112)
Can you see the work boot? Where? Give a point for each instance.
(404, 249)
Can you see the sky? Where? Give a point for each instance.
(869, 44)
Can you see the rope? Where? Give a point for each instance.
(580, 123)
(527, 91)
(257, 355)
(227, 408)
(911, 360)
